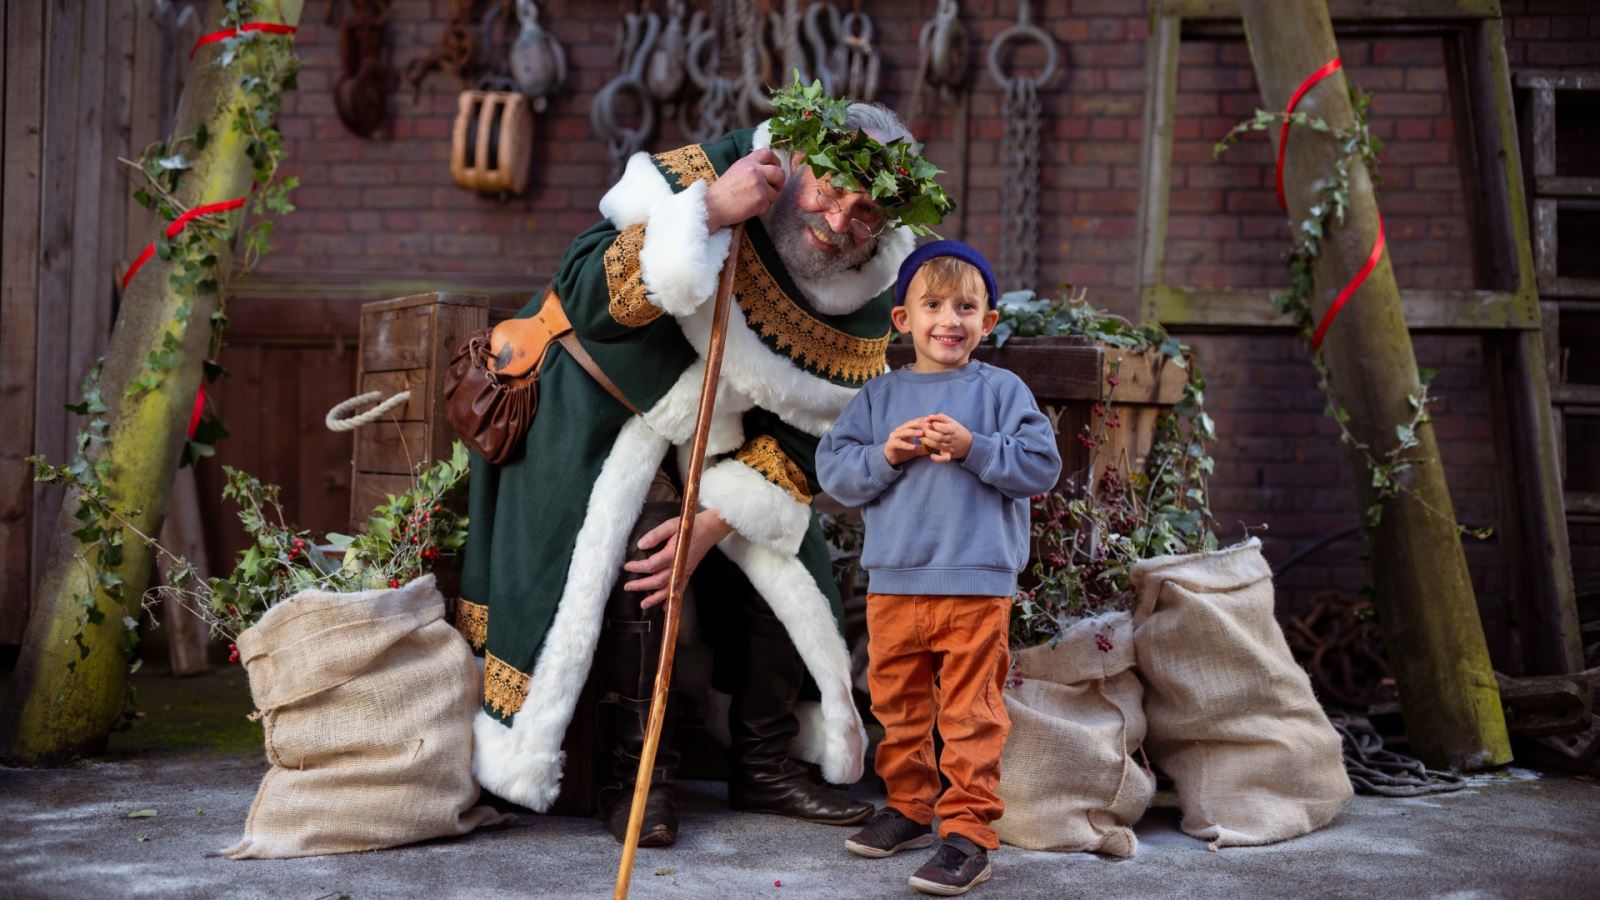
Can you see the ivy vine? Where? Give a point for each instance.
(266, 66)
(1332, 204)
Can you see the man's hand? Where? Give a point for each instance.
(905, 443)
(947, 440)
(746, 190)
(657, 568)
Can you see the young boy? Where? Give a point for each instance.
(942, 457)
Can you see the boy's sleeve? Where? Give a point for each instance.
(1021, 458)
(851, 466)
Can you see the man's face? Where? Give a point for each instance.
(945, 323)
(811, 226)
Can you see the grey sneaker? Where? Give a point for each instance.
(955, 868)
(887, 833)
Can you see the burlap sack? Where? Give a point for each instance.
(368, 700)
(1233, 719)
(1068, 775)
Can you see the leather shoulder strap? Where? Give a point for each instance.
(570, 341)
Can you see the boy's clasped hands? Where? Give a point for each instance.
(938, 437)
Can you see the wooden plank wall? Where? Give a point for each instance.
(290, 359)
(69, 93)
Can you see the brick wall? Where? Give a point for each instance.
(387, 205)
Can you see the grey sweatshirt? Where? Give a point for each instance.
(943, 528)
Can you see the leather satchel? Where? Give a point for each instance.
(491, 389)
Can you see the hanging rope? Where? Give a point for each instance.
(335, 423)
(1385, 773)
(1019, 267)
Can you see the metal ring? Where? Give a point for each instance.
(1016, 32)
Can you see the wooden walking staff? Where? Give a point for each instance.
(680, 560)
(1418, 568)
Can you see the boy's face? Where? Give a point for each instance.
(945, 325)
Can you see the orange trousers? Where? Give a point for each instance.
(941, 659)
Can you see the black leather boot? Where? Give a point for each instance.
(762, 723)
(633, 641)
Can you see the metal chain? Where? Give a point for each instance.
(1019, 266)
(1020, 261)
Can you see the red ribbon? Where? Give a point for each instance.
(1328, 68)
(199, 408)
(174, 228)
(224, 34)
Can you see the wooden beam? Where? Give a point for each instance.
(62, 702)
(1494, 134)
(383, 285)
(1417, 566)
(20, 182)
(1426, 310)
(1345, 9)
(1566, 186)
(1558, 79)
(1155, 154)
(1533, 522)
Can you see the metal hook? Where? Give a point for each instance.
(1023, 30)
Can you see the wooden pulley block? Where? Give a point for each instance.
(493, 142)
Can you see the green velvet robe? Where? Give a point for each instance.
(547, 526)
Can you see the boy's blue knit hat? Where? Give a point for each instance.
(932, 249)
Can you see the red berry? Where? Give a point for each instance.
(902, 170)
(394, 582)
(233, 653)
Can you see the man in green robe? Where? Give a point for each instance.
(572, 538)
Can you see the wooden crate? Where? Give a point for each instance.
(406, 345)
(1069, 376)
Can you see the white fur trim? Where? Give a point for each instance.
(772, 380)
(811, 743)
(806, 614)
(680, 260)
(850, 290)
(523, 763)
(636, 193)
(673, 417)
(755, 507)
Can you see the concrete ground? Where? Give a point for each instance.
(65, 833)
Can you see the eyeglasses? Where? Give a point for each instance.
(863, 228)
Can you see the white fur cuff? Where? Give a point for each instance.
(636, 193)
(680, 260)
(759, 510)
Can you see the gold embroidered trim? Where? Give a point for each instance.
(765, 456)
(504, 688)
(625, 282)
(472, 620)
(688, 164)
(773, 313)
(814, 344)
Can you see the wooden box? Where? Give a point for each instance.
(1069, 376)
(406, 345)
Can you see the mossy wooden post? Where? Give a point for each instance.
(1424, 595)
(52, 712)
